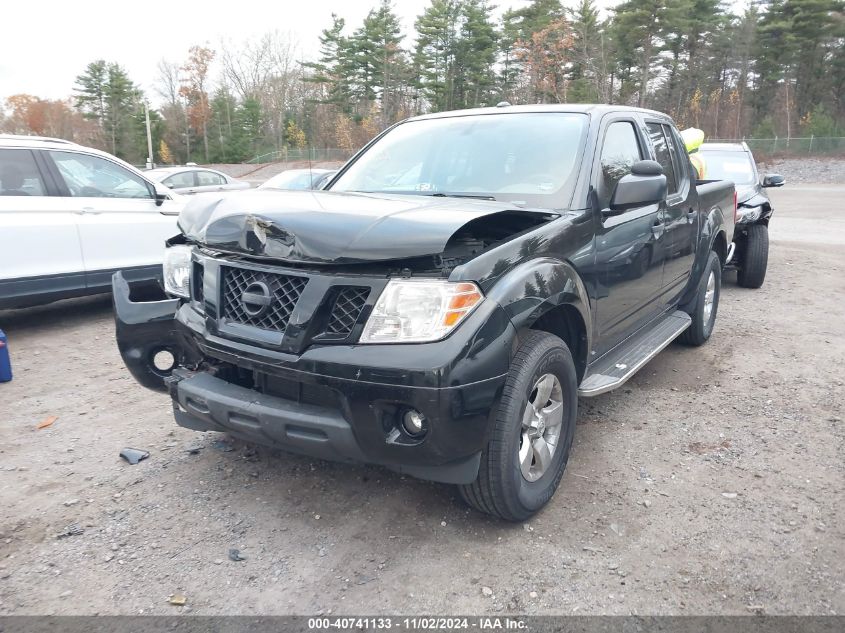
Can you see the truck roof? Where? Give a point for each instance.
(504, 107)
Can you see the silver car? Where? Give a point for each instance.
(195, 179)
(299, 179)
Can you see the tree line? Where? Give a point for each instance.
(774, 68)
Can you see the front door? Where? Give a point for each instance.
(628, 245)
(40, 252)
(120, 225)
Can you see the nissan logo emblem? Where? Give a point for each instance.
(256, 299)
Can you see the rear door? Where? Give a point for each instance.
(680, 214)
(628, 245)
(40, 252)
(120, 225)
(210, 181)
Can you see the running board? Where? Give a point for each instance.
(620, 364)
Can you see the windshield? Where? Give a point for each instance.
(530, 159)
(735, 166)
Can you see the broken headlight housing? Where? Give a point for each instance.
(747, 215)
(420, 311)
(177, 271)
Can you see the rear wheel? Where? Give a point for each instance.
(755, 258)
(705, 305)
(528, 447)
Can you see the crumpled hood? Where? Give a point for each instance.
(329, 227)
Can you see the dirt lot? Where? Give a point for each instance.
(711, 483)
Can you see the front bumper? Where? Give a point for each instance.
(336, 402)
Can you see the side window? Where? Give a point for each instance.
(209, 178)
(620, 151)
(180, 180)
(19, 175)
(94, 177)
(664, 157)
(679, 151)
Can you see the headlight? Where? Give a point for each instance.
(177, 271)
(748, 214)
(411, 311)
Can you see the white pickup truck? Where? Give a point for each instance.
(71, 216)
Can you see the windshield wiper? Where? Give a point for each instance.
(477, 196)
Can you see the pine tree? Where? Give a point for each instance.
(434, 57)
(331, 71)
(378, 60)
(518, 28)
(475, 55)
(105, 94)
(640, 30)
(589, 55)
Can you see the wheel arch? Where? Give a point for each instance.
(547, 294)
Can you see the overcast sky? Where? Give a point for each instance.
(45, 45)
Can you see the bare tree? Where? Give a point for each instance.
(266, 70)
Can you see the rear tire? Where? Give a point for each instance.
(755, 259)
(705, 305)
(517, 476)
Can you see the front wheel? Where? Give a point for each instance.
(528, 446)
(755, 259)
(705, 305)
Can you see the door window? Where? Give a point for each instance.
(621, 149)
(19, 175)
(663, 155)
(679, 152)
(209, 179)
(94, 177)
(180, 181)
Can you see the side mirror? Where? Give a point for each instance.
(161, 193)
(646, 184)
(774, 180)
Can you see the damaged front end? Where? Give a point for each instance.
(148, 336)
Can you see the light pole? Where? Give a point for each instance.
(149, 137)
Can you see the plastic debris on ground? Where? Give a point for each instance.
(134, 455)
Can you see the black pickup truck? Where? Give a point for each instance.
(441, 306)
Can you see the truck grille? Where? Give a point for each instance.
(346, 310)
(284, 291)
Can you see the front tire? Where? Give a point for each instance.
(528, 446)
(755, 259)
(706, 304)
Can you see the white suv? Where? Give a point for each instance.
(70, 216)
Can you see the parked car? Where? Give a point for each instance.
(299, 179)
(70, 216)
(734, 162)
(442, 307)
(193, 179)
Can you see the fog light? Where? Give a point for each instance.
(413, 422)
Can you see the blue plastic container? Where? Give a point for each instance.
(5, 362)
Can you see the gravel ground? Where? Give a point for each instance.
(799, 171)
(712, 483)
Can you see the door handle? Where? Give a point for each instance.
(87, 211)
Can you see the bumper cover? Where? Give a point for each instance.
(359, 423)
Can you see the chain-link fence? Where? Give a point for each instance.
(791, 146)
(312, 154)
